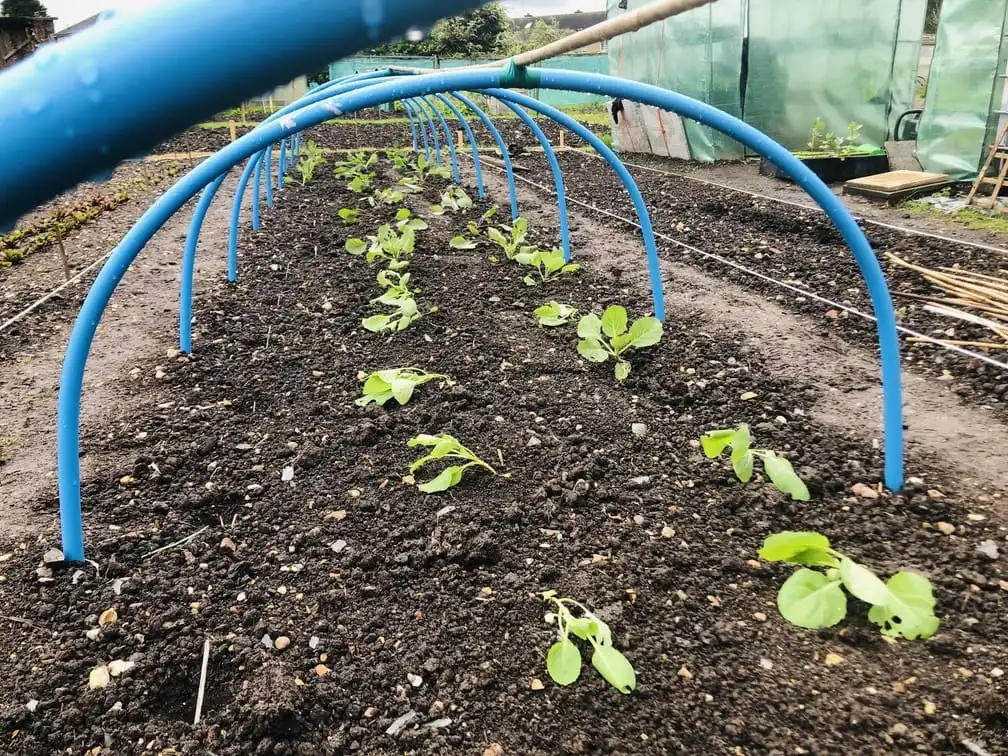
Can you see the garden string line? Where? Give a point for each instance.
(815, 208)
(782, 284)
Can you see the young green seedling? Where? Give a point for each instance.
(357, 163)
(549, 266)
(386, 197)
(409, 185)
(395, 283)
(360, 183)
(462, 242)
(903, 607)
(454, 199)
(608, 337)
(349, 217)
(387, 245)
(400, 159)
(406, 311)
(554, 314)
(777, 468)
(403, 221)
(425, 169)
(448, 448)
(511, 238)
(310, 160)
(563, 660)
(396, 383)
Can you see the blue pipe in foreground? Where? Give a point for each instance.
(643, 216)
(122, 256)
(474, 145)
(448, 137)
(189, 265)
(554, 165)
(435, 136)
(144, 73)
(501, 145)
(282, 165)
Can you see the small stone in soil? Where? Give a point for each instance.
(639, 429)
(946, 528)
(400, 724)
(864, 492)
(282, 642)
(536, 684)
(833, 660)
(988, 549)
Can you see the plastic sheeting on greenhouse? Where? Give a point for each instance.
(698, 53)
(587, 63)
(779, 64)
(964, 88)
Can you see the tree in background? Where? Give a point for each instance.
(23, 8)
(481, 33)
(542, 33)
(933, 14)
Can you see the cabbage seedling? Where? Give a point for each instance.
(554, 314)
(903, 607)
(608, 337)
(511, 238)
(348, 216)
(777, 468)
(563, 660)
(356, 164)
(405, 313)
(403, 221)
(395, 283)
(387, 245)
(448, 448)
(462, 242)
(454, 199)
(425, 169)
(396, 383)
(386, 197)
(549, 266)
(361, 183)
(400, 158)
(310, 160)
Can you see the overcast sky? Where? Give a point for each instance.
(69, 12)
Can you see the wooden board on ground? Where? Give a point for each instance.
(896, 185)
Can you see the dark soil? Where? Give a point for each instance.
(341, 136)
(801, 248)
(429, 604)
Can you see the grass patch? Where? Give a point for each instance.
(969, 217)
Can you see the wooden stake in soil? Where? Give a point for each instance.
(243, 114)
(233, 130)
(63, 258)
(460, 135)
(563, 145)
(272, 110)
(202, 681)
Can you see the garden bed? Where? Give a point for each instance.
(832, 169)
(427, 607)
(801, 248)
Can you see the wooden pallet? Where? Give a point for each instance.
(998, 151)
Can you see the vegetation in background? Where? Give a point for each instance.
(23, 8)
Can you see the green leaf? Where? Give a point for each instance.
(621, 343)
(863, 583)
(460, 242)
(809, 599)
(910, 611)
(402, 215)
(646, 332)
(583, 627)
(615, 668)
(622, 370)
(525, 258)
(529, 280)
(376, 323)
(356, 246)
(376, 384)
(779, 470)
(592, 351)
(817, 558)
(614, 321)
(590, 327)
(497, 237)
(437, 210)
(563, 662)
(784, 546)
(450, 476)
(741, 439)
(402, 390)
(716, 441)
(417, 224)
(424, 439)
(742, 464)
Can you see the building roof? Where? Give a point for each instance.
(79, 26)
(24, 22)
(571, 22)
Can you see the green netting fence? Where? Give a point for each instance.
(587, 63)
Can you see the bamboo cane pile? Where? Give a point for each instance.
(964, 294)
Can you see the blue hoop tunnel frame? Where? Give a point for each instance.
(207, 172)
